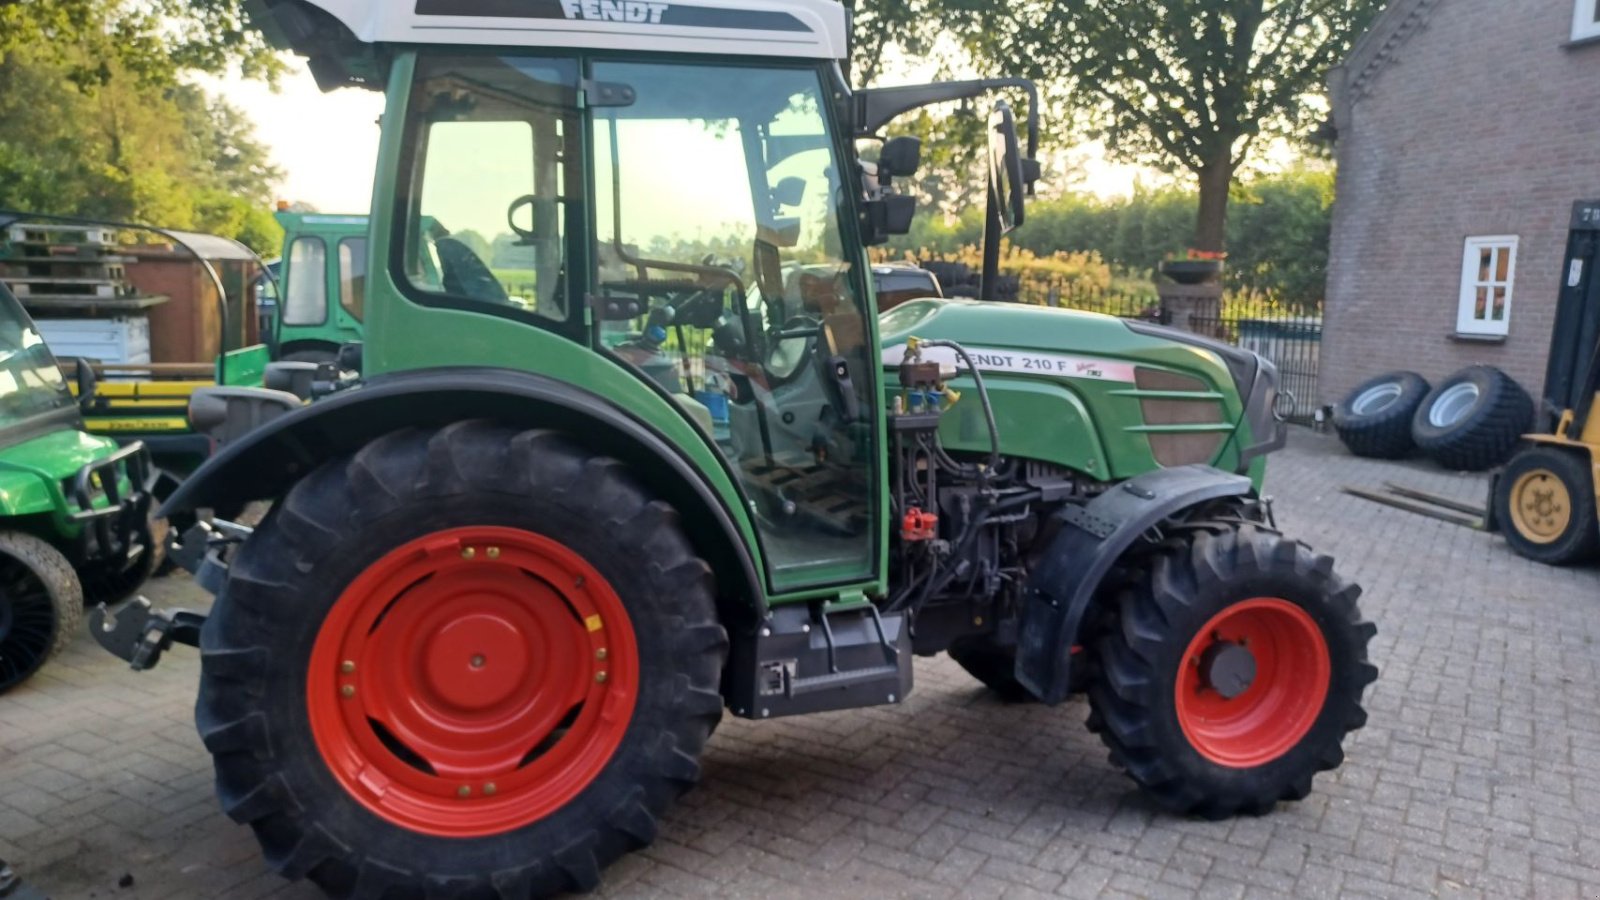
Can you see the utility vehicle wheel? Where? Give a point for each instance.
(1233, 672)
(1545, 504)
(41, 606)
(993, 664)
(467, 663)
(1375, 420)
(1473, 420)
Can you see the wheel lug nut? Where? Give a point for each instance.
(464, 792)
(348, 667)
(348, 691)
(601, 653)
(489, 789)
(468, 552)
(600, 677)
(493, 552)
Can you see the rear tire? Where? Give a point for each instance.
(1201, 601)
(1375, 419)
(1545, 505)
(1473, 420)
(993, 664)
(41, 606)
(562, 567)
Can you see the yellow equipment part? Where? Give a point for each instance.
(1588, 442)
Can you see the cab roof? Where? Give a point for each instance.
(816, 29)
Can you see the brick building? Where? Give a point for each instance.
(1465, 131)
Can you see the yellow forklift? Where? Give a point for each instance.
(1546, 501)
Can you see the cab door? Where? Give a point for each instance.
(719, 216)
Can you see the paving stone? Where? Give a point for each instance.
(1478, 774)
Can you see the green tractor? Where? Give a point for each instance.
(512, 577)
(324, 275)
(74, 512)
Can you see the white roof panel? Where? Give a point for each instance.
(794, 28)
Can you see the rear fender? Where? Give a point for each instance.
(1091, 540)
(267, 462)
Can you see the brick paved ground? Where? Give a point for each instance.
(1479, 774)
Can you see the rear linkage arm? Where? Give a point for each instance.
(136, 631)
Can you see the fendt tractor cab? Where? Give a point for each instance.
(324, 276)
(675, 463)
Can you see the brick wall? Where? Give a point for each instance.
(1480, 122)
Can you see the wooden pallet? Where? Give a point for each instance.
(39, 234)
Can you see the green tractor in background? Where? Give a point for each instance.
(74, 512)
(324, 276)
(512, 576)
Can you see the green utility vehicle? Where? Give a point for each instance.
(324, 275)
(74, 515)
(511, 579)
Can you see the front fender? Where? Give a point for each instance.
(265, 463)
(1091, 540)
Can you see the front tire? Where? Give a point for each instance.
(1545, 504)
(1233, 672)
(41, 606)
(472, 662)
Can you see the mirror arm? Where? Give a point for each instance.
(877, 107)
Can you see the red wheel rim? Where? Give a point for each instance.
(472, 681)
(1280, 704)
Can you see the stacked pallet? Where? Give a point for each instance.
(73, 280)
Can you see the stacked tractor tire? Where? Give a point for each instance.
(1470, 422)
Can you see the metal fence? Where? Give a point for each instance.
(1290, 335)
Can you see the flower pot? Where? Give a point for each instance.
(1193, 271)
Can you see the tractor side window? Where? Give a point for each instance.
(306, 302)
(353, 275)
(490, 184)
(718, 215)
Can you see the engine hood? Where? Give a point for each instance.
(1091, 392)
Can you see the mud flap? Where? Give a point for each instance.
(1092, 538)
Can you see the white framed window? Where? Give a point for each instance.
(1488, 275)
(1585, 19)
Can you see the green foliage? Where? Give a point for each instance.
(1278, 233)
(1180, 85)
(97, 121)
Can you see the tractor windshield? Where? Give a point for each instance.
(30, 381)
(721, 213)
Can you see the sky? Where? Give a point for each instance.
(327, 144)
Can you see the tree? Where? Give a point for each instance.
(1178, 84)
(96, 120)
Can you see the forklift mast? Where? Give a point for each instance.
(1574, 374)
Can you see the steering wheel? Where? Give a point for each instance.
(465, 275)
(790, 347)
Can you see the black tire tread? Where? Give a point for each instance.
(299, 532)
(60, 581)
(1387, 433)
(1130, 696)
(1581, 543)
(1488, 437)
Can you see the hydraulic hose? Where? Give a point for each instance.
(983, 398)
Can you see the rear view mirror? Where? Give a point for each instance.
(901, 158)
(1009, 181)
(790, 191)
(88, 382)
